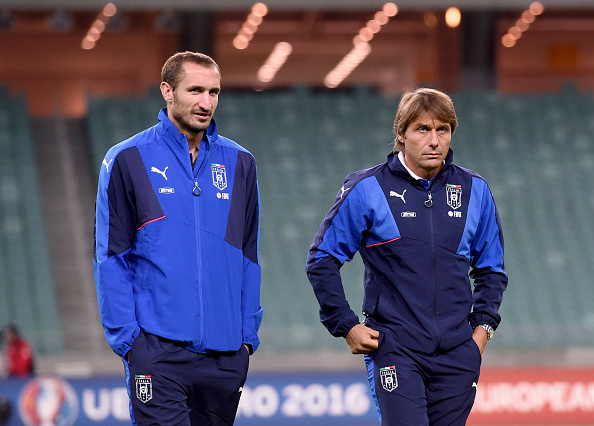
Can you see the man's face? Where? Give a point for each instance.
(426, 144)
(193, 102)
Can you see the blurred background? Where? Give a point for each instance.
(310, 87)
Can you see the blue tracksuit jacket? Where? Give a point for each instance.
(417, 255)
(178, 265)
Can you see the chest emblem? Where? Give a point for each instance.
(162, 173)
(454, 196)
(401, 196)
(219, 176)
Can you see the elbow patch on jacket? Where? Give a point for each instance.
(132, 200)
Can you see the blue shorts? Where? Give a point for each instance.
(171, 385)
(416, 389)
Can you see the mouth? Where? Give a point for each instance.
(202, 115)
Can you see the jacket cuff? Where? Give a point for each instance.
(252, 340)
(477, 319)
(122, 342)
(348, 326)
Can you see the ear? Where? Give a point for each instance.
(167, 91)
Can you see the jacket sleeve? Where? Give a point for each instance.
(115, 229)
(251, 311)
(337, 240)
(487, 268)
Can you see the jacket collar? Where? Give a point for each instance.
(173, 136)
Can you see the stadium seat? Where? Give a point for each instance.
(26, 287)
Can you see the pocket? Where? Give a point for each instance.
(129, 356)
(477, 350)
(373, 291)
(380, 340)
(234, 364)
(246, 354)
(242, 362)
(245, 358)
(380, 345)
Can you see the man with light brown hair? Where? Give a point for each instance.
(176, 256)
(420, 223)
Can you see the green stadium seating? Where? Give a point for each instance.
(113, 120)
(537, 161)
(26, 287)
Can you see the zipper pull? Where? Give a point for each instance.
(197, 191)
(429, 201)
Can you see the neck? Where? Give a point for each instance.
(194, 140)
(193, 137)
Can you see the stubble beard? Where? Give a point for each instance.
(187, 125)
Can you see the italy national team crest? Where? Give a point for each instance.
(144, 388)
(219, 176)
(454, 194)
(388, 377)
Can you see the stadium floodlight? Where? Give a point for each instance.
(521, 25)
(536, 8)
(250, 26)
(453, 17)
(100, 24)
(361, 47)
(275, 61)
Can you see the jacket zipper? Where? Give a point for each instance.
(429, 203)
(197, 191)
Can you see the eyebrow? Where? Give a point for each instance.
(203, 88)
(428, 124)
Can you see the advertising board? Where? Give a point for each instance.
(505, 396)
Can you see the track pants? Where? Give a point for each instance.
(416, 389)
(170, 385)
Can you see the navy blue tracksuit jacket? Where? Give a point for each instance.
(418, 246)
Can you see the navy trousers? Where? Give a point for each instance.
(171, 385)
(417, 389)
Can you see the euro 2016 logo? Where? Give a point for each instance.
(144, 388)
(48, 400)
(388, 378)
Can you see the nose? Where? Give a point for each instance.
(204, 102)
(434, 138)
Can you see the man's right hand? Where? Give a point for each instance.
(362, 339)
